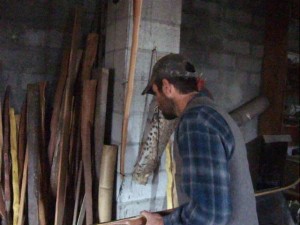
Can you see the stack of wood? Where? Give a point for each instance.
(50, 171)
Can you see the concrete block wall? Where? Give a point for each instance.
(224, 39)
(32, 37)
(160, 29)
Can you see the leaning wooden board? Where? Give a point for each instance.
(33, 143)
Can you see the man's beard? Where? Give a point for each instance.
(168, 109)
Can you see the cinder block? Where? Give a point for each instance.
(117, 35)
(164, 37)
(118, 11)
(210, 74)
(240, 47)
(255, 36)
(143, 65)
(54, 39)
(211, 9)
(10, 77)
(31, 78)
(26, 61)
(257, 51)
(258, 21)
(129, 209)
(255, 79)
(27, 13)
(222, 60)
(157, 10)
(116, 132)
(238, 16)
(34, 38)
(249, 64)
(132, 191)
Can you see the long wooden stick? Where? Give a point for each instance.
(15, 170)
(137, 10)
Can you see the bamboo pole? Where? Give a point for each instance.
(137, 9)
(87, 116)
(106, 183)
(15, 171)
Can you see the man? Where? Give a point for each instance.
(213, 173)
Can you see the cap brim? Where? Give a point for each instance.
(148, 90)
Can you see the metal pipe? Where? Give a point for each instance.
(250, 110)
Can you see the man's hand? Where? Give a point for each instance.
(153, 218)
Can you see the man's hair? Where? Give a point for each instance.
(184, 85)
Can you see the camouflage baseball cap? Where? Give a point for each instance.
(171, 65)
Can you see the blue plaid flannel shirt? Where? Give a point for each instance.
(205, 144)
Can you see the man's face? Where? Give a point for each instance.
(165, 104)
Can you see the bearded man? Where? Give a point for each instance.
(213, 179)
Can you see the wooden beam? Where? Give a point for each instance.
(87, 121)
(274, 65)
(6, 155)
(33, 143)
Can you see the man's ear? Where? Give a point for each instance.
(167, 88)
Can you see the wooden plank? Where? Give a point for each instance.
(43, 157)
(2, 205)
(23, 190)
(66, 109)
(22, 138)
(137, 10)
(15, 169)
(57, 105)
(274, 65)
(82, 212)
(1, 141)
(6, 154)
(87, 118)
(89, 56)
(55, 160)
(100, 116)
(77, 192)
(33, 143)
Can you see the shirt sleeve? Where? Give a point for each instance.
(205, 177)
